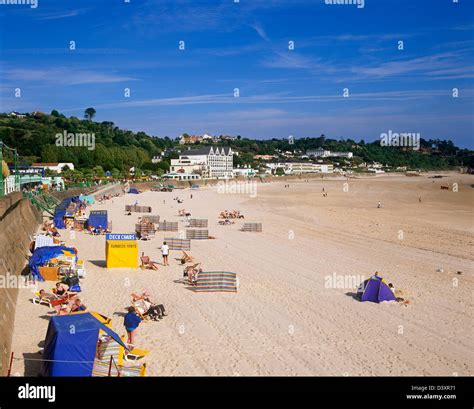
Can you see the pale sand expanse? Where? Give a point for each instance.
(283, 320)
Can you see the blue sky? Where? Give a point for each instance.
(244, 45)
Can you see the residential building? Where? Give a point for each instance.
(323, 153)
(209, 161)
(55, 167)
(347, 155)
(292, 168)
(181, 176)
(318, 153)
(265, 157)
(190, 139)
(186, 139)
(207, 137)
(15, 114)
(245, 172)
(187, 165)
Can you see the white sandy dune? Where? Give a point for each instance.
(284, 320)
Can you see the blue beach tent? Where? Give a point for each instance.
(60, 211)
(375, 289)
(43, 254)
(134, 191)
(98, 218)
(71, 344)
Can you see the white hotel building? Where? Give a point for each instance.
(294, 168)
(210, 162)
(322, 153)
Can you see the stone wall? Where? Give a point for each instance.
(19, 220)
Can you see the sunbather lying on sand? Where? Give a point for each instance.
(47, 296)
(226, 222)
(59, 303)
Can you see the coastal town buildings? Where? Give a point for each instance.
(55, 167)
(292, 168)
(209, 162)
(323, 153)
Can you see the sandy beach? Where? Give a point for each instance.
(290, 316)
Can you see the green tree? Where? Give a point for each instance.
(98, 171)
(89, 113)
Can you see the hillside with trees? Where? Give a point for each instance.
(117, 150)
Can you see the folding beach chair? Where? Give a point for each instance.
(38, 300)
(187, 258)
(138, 304)
(187, 270)
(147, 263)
(133, 355)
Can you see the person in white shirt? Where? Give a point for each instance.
(165, 251)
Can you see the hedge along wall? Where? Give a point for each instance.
(19, 219)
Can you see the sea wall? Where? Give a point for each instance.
(19, 219)
(113, 189)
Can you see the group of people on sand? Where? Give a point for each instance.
(234, 214)
(183, 212)
(96, 231)
(62, 300)
(142, 308)
(50, 229)
(103, 198)
(287, 186)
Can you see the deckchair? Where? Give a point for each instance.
(190, 268)
(187, 258)
(38, 300)
(147, 263)
(133, 355)
(136, 304)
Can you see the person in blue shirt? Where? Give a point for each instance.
(131, 323)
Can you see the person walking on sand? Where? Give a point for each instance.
(165, 251)
(131, 323)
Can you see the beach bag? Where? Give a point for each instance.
(71, 280)
(75, 288)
